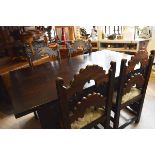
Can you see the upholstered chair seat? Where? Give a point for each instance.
(90, 115)
(133, 93)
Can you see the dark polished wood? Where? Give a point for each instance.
(4, 97)
(130, 77)
(31, 90)
(140, 57)
(74, 98)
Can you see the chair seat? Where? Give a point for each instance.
(133, 93)
(90, 115)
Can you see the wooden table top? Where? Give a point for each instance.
(31, 89)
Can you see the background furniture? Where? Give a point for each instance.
(9, 41)
(85, 46)
(117, 38)
(65, 33)
(39, 49)
(127, 46)
(35, 46)
(95, 45)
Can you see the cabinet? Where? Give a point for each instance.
(129, 46)
(95, 46)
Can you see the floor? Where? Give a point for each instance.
(8, 121)
(148, 114)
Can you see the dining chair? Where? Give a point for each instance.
(86, 47)
(131, 87)
(38, 50)
(82, 107)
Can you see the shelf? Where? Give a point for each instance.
(123, 45)
(123, 41)
(119, 49)
(94, 45)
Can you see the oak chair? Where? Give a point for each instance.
(131, 88)
(85, 108)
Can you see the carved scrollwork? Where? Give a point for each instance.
(85, 45)
(95, 100)
(140, 57)
(91, 72)
(137, 80)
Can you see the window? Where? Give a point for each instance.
(109, 30)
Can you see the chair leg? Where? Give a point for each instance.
(59, 55)
(116, 119)
(36, 115)
(96, 127)
(70, 56)
(139, 111)
(30, 62)
(105, 125)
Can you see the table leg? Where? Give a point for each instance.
(36, 115)
(49, 116)
(4, 96)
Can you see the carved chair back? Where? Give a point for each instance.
(130, 77)
(74, 100)
(85, 45)
(39, 49)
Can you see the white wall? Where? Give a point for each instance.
(151, 45)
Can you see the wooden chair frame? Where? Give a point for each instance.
(92, 72)
(85, 45)
(38, 49)
(134, 105)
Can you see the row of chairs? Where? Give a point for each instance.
(41, 48)
(103, 102)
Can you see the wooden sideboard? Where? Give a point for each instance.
(123, 45)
